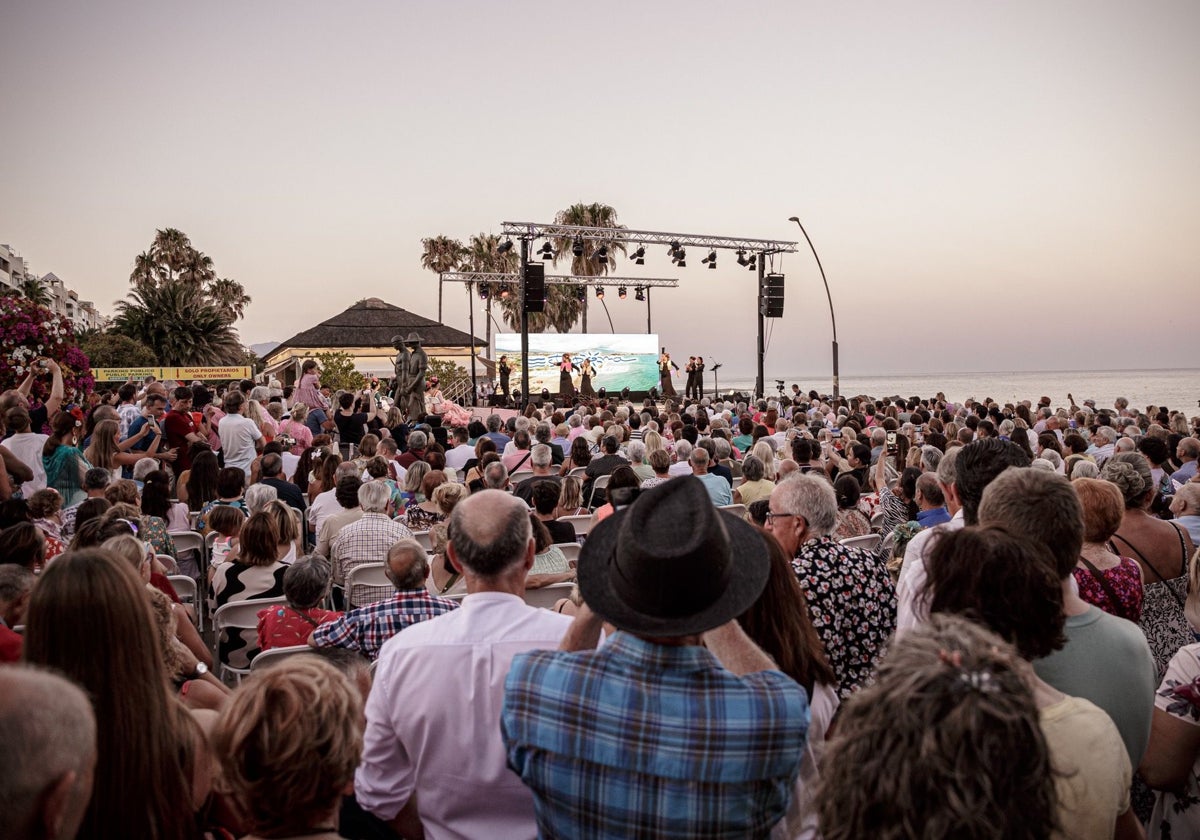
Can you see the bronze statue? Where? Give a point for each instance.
(412, 365)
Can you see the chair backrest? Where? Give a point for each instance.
(547, 596)
(877, 521)
(737, 510)
(368, 574)
(185, 587)
(187, 541)
(168, 563)
(600, 483)
(738, 481)
(266, 658)
(582, 523)
(867, 542)
(424, 539)
(570, 551)
(578, 472)
(243, 615)
(520, 475)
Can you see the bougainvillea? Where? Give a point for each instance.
(28, 331)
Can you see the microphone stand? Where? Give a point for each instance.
(716, 386)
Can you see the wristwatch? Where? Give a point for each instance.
(201, 670)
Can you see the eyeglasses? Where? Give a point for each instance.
(771, 517)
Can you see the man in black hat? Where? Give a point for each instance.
(679, 726)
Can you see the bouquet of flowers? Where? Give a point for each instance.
(29, 331)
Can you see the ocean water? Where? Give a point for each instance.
(1174, 388)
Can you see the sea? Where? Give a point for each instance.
(1176, 388)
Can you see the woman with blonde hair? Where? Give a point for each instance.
(295, 428)
(763, 451)
(424, 515)
(446, 497)
(287, 521)
(653, 441)
(108, 452)
(414, 480)
(288, 747)
(570, 499)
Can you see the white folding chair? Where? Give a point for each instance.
(188, 592)
(547, 596)
(168, 563)
(520, 475)
(424, 539)
(582, 523)
(193, 518)
(738, 481)
(236, 616)
(570, 551)
(867, 542)
(267, 658)
(600, 483)
(577, 472)
(192, 541)
(368, 574)
(737, 510)
(877, 521)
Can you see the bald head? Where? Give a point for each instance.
(490, 533)
(407, 565)
(49, 734)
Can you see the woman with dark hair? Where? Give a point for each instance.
(309, 459)
(1012, 586)
(324, 473)
(63, 461)
(253, 572)
(946, 743)
(779, 623)
(90, 620)
(851, 522)
(622, 478)
(566, 389)
(579, 456)
(422, 516)
(198, 485)
(231, 491)
(156, 507)
(23, 544)
(473, 469)
(351, 419)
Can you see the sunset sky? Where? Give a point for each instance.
(989, 186)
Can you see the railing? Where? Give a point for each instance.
(457, 389)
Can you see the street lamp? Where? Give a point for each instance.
(832, 318)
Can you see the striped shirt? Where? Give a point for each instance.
(367, 628)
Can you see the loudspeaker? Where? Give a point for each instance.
(772, 299)
(535, 287)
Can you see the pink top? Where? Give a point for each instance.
(299, 433)
(309, 392)
(566, 366)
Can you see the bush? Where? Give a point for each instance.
(27, 331)
(112, 350)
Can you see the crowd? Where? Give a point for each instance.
(792, 618)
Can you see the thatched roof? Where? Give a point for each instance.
(372, 323)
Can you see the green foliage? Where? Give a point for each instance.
(106, 350)
(338, 373)
(446, 371)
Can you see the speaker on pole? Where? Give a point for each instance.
(535, 287)
(773, 296)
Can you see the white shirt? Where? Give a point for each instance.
(912, 608)
(433, 720)
(238, 434)
(322, 506)
(679, 468)
(457, 457)
(27, 446)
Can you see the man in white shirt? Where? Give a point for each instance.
(683, 451)
(27, 446)
(457, 457)
(241, 439)
(433, 758)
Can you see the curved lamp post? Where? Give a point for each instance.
(832, 318)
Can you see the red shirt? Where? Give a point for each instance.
(10, 644)
(287, 627)
(177, 426)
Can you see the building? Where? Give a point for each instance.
(365, 331)
(66, 302)
(13, 270)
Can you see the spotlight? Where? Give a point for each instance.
(674, 249)
(753, 262)
(639, 256)
(545, 394)
(600, 292)
(581, 294)
(654, 393)
(680, 258)
(547, 251)
(602, 255)
(622, 293)
(577, 247)
(741, 258)
(505, 291)
(639, 293)
(710, 260)
(484, 292)
(603, 392)
(516, 395)
(625, 393)
(504, 246)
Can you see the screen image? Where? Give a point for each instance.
(618, 361)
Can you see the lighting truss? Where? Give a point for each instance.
(560, 279)
(539, 230)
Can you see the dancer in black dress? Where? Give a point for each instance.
(566, 389)
(503, 369)
(585, 378)
(664, 374)
(699, 384)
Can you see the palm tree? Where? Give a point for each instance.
(586, 264)
(197, 268)
(229, 296)
(31, 289)
(482, 256)
(180, 323)
(441, 254)
(173, 250)
(146, 270)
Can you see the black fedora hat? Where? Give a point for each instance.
(672, 564)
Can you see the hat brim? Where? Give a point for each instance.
(751, 566)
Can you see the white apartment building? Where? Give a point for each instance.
(14, 271)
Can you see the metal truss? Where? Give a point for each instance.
(560, 279)
(539, 230)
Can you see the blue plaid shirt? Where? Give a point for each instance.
(367, 628)
(642, 740)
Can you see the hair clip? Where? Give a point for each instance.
(980, 681)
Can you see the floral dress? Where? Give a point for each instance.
(1177, 814)
(852, 601)
(1124, 581)
(154, 534)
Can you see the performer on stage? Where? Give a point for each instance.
(585, 378)
(566, 389)
(699, 385)
(503, 369)
(690, 368)
(452, 414)
(664, 374)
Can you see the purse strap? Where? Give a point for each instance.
(1150, 566)
(1104, 584)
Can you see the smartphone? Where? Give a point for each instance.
(837, 433)
(891, 439)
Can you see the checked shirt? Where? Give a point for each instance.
(367, 628)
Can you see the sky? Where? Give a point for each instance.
(989, 186)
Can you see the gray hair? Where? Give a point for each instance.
(683, 450)
(306, 581)
(636, 450)
(417, 440)
(540, 455)
(1084, 469)
(752, 468)
(575, 421)
(543, 432)
(260, 393)
(373, 497)
(15, 581)
(48, 730)
(144, 467)
(258, 496)
(493, 422)
(699, 457)
(1108, 433)
(931, 457)
(947, 472)
(724, 450)
(810, 497)
(346, 469)
(271, 464)
(495, 476)
(414, 574)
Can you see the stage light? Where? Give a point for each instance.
(505, 291)
(577, 247)
(504, 246)
(673, 249)
(639, 293)
(625, 393)
(547, 251)
(602, 255)
(654, 393)
(581, 294)
(545, 394)
(711, 259)
(600, 292)
(483, 291)
(639, 256)
(741, 259)
(753, 262)
(622, 293)
(603, 392)
(517, 395)
(680, 258)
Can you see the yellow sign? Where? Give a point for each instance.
(186, 374)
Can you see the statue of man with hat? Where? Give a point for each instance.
(411, 366)
(680, 725)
